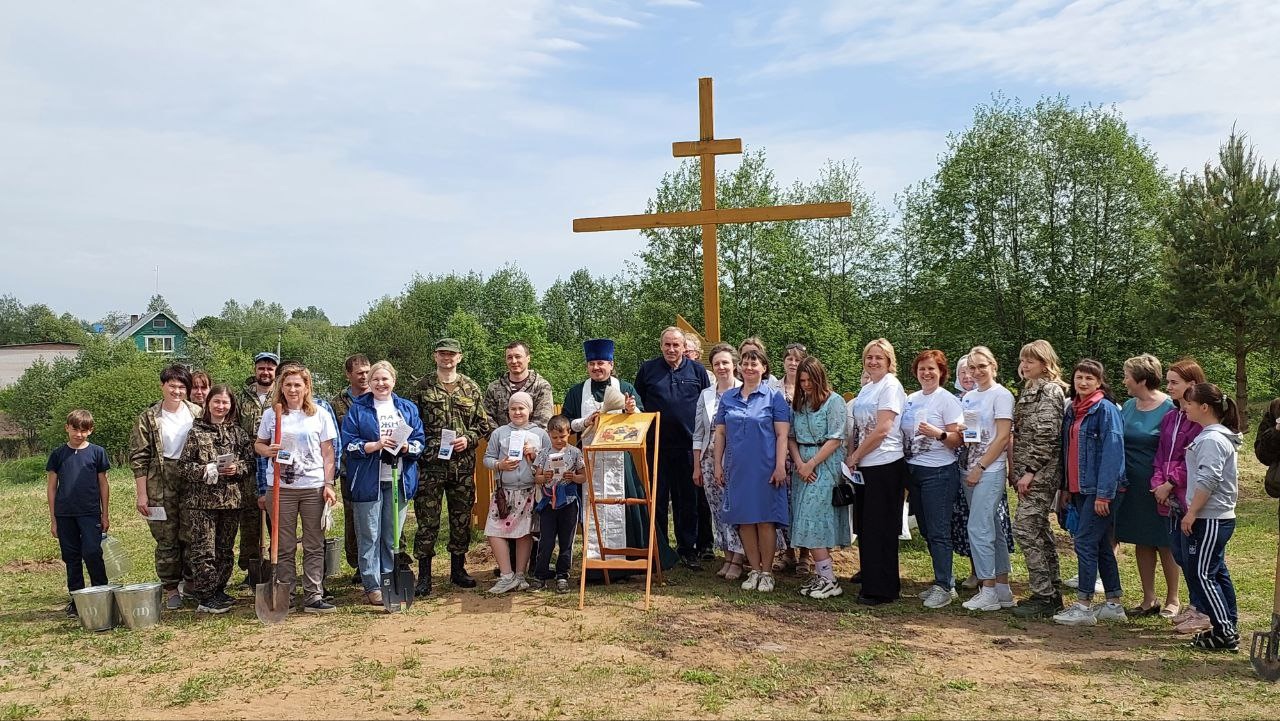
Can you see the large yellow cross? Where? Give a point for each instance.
(706, 148)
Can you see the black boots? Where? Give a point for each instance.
(424, 579)
(458, 572)
(1038, 606)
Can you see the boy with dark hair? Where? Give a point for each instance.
(78, 502)
(559, 473)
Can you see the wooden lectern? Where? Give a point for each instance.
(628, 433)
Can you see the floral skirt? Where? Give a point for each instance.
(519, 520)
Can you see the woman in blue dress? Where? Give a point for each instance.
(750, 453)
(817, 447)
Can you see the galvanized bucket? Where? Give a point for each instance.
(96, 607)
(332, 557)
(139, 604)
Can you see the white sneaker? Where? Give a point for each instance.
(938, 597)
(826, 589)
(1073, 582)
(810, 585)
(1111, 611)
(765, 585)
(522, 583)
(925, 593)
(752, 582)
(1006, 598)
(1077, 614)
(506, 582)
(984, 600)
(970, 583)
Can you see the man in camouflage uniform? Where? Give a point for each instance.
(356, 368)
(156, 479)
(253, 399)
(1037, 425)
(519, 377)
(447, 399)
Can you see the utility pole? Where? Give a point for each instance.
(279, 337)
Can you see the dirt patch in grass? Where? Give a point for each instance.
(30, 566)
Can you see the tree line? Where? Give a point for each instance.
(1042, 221)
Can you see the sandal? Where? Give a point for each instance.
(734, 572)
(1171, 611)
(724, 569)
(1138, 611)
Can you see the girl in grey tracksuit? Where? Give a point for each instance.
(1212, 489)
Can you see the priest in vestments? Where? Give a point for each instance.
(614, 474)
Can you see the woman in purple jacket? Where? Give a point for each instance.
(1169, 482)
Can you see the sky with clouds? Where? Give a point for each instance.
(322, 152)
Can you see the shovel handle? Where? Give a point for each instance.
(275, 495)
(1275, 603)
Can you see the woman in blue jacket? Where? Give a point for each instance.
(1093, 458)
(369, 433)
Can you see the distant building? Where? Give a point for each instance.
(16, 359)
(156, 332)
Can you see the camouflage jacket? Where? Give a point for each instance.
(498, 395)
(1037, 428)
(462, 410)
(146, 453)
(249, 409)
(204, 444)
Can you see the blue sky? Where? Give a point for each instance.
(321, 153)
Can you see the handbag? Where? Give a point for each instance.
(500, 500)
(842, 493)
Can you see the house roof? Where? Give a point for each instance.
(143, 322)
(43, 345)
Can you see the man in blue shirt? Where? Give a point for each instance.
(671, 385)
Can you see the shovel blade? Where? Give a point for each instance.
(1263, 655)
(390, 599)
(406, 582)
(271, 602)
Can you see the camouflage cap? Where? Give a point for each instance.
(449, 344)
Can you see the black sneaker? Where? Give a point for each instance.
(1210, 640)
(319, 606)
(214, 605)
(562, 585)
(536, 584)
(326, 594)
(70, 610)
(222, 597)
(690, 561)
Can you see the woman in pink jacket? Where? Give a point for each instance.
(1169, 481)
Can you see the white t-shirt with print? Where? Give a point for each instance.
(388, 419)
(885, 394)
(938, 408)
(174, 428)
(995, 403)
(303, 435)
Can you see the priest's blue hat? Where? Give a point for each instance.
(598, 349)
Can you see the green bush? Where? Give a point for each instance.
(115, 397)
(23, 470)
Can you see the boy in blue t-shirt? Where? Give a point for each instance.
(78, 501)
(557, 503)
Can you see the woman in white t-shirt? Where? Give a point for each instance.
(988, 425)
(931, 431)
(306, 480)
(876, 451)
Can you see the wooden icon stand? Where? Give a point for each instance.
(627, 433)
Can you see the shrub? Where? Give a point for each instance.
(115, 397)
(23, 470)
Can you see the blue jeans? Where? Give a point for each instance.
(1094, 553)
(375, 528)
(1178, 546)
(986, 540)
(1207, 571)
(80, 540)
(935, 489)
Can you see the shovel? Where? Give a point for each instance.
(397, 586)
(271, 598)
(1264, 653)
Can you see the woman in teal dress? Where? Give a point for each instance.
(816, 444)
(1137, 520)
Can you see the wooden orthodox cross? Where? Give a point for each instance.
(706, 148)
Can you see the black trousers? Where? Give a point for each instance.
(879, 520)
(80, 540)
(558, 526)
(675, 486)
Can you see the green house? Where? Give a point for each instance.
(156, 332)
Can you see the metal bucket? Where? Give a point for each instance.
(139, 604)
(96, 607)
(332, 557)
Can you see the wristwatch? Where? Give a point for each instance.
(982, 465)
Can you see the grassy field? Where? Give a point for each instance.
(707, 649)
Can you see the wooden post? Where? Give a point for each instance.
(708, 216)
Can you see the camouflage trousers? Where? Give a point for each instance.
(435, 486)
(171, 564)
(1034, 535)
(210, 537)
